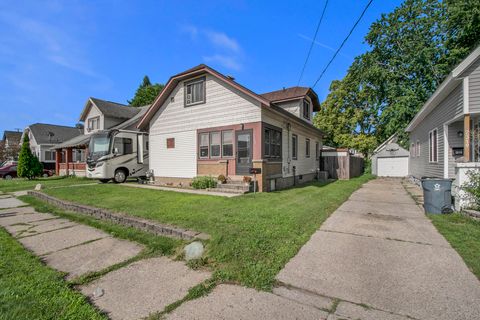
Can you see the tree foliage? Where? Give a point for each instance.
(146, 93)
(28, 164)
(412, 50)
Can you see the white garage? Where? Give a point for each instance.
(390, 160)
(392, 167)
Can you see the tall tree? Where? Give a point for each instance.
(412, 49)
(146, 93)
(28, 164)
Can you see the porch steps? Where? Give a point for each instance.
(232, 186)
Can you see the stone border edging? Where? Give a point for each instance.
(122, 219)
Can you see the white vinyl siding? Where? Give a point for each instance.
(446, 111)
(178, 162)
(474, 86)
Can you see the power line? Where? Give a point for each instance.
(343, 43)
(313, 42)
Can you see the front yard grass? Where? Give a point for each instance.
(19, 184)
(463, 233)
(253, 236)
(30, 290)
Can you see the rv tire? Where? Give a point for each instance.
(120, 176)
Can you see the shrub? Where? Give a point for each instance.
(222, 178)
(204, 182)
(472, 188)
(28, 164)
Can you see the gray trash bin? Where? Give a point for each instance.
(437, 195)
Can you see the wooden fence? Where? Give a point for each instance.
(342, 165)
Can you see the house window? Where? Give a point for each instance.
(272, 143)
(49, 155)
(170, 143)
(307, 148)
(122, 146)
(412, 150)
(78, 155)
(215, 144)
(317, 150)
(294, 146)
(433, 146)
(306, 109)
(195, 92)
(93, 124)
(227, 143)
(204, 145)
(417, 148)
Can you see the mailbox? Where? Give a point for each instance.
(255, 170)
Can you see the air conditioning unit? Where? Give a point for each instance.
(189, 98)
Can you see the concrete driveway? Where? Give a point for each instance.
(379, 251)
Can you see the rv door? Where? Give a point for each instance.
(140, 148)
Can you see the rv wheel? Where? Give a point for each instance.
(120, 176)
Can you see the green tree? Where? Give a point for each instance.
(412, 50)
(28, 164)
(146, 93)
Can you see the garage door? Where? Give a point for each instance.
(392, 167)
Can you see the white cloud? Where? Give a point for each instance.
(228, 62)
(221, 40)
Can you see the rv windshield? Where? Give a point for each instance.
(99, 146)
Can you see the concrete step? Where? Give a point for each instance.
(236, 186)
(236, 191)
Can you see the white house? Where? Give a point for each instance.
(205, 123)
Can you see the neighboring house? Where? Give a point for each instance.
(389, 159)
(445, 133)
(204, 123)
(10, 145)
(44, 136)
(96, 115)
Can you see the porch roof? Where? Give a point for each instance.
(78, 141)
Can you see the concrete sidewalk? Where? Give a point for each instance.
(379, 250)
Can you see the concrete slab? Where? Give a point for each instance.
(234, 302)
(385, 226)
(53, 241)
(421, 281)
(36, 227)
(6, 220)
(304, 297)
(410, 211)
(11, 203)
(5, 196)
(93, 256)
(354, 311)
(382, 196)
(144, 287)
(21, 210)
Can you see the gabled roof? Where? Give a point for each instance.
(450, 83)
(293, 93)
(204, 69)
(392, 138)
(12, 136)
(51, 134)
(109, 109)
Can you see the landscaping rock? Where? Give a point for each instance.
(194, 250)
(98, 292)
(38, 187)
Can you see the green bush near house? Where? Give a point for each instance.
(204, 182)
(28, 164)
(472, 188)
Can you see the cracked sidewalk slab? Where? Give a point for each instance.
(143, 287)
(11, 203)
(93, 256)
(405, 278)
(239, 303)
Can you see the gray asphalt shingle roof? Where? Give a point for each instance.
(115, 110)
(52, 134)
(12, 136)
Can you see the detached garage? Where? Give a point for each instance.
(390, 160)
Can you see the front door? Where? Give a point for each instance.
(244, 152)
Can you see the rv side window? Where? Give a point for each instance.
(123, 146)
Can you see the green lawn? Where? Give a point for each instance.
(253, 236)
(19, 184)
(463, 233)
(30, 290)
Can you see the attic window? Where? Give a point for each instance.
(195, 92)
(306, 109)
(93, 124)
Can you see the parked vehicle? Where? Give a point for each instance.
(117, 155)
(9, 172)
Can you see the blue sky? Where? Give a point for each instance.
(56, 54)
